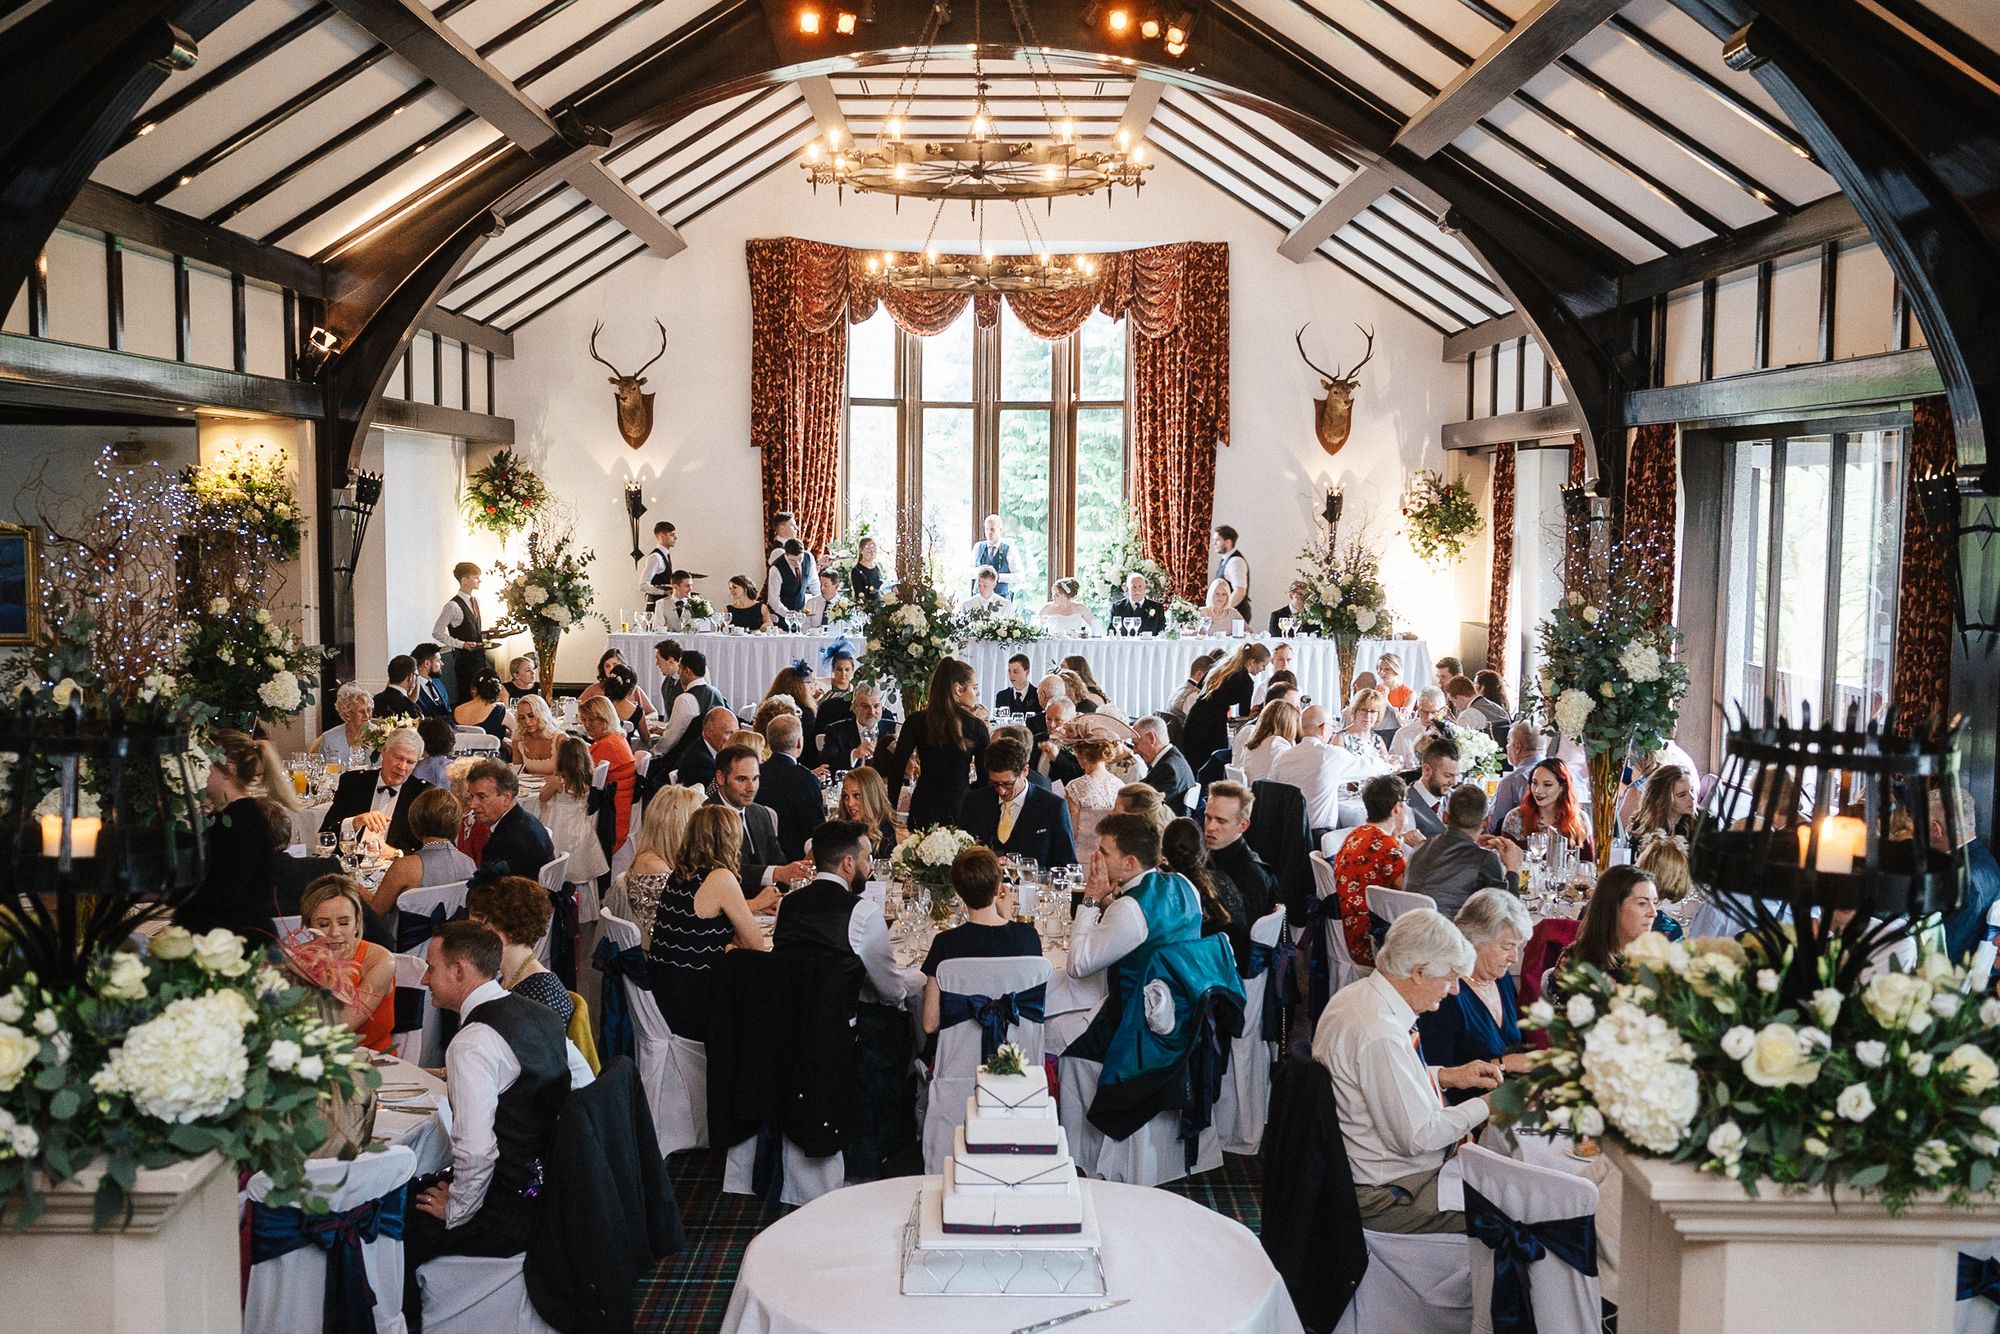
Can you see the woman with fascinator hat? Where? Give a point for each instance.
(796, 683)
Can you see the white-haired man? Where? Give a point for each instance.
(1392, 1113)
(377, 801)
(1167, 770)
(1430, 706)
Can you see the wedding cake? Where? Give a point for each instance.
(1010, 1173)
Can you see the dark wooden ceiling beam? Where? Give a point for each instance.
(1830, 219)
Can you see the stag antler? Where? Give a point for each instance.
(599, 328)
(663, 349)
(1366, 353)
(1300, 339)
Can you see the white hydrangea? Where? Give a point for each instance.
(281, 692)
(912, 616)
(1364, 619)
(940, 847)
(534, 595)
(1637, 1071)
(556, 612)
(1573, 709)
(184, 1066)
(1640, 661)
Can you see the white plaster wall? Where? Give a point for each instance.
(699, 471)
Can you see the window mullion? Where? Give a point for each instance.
(1775, 568)
(1836, 491)
(909, 452)
(985, 429)
(1062, 456)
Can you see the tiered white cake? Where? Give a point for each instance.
(1010, 1174)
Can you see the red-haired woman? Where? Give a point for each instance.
(1550, 803)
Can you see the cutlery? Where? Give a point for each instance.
(1053, 1321)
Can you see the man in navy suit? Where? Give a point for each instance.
(788, 787)
(431, 700)
(519, 843)
(1020, 696)
(1166, 768)
(1011, 816)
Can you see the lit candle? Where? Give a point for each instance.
(1843, 840)
(83, 830)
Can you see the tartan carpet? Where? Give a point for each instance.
(688, 1293)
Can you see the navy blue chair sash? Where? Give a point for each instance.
(350, 1298)
(994, 1014)
(1275, 960)
(1980, 1278)
(620, 1037)
(413, 932)
(1516, 1245)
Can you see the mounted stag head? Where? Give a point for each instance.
(635, 410)
(1334, 415)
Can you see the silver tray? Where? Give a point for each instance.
(996, 1270)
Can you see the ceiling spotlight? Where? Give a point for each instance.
(1177, 28)
(1176, 48)
(1119, 21)
(809, 22)
(146, 129)
(843, 23)
(1149, 29)
(323, 340)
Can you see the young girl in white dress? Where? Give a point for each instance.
(565, 810)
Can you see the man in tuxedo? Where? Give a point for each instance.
(656, 576)
(1167, 770)
(1020, 697)
(1295, 607)
(377, 801)
(1437, 775)
(398, 699)
(763, 866)
(519, 844)
(790, 581)
(1224, 822)
(1010, 815)
(788, 788)
(1151, 615)
(432, 702)
(865, 738)
(698, 765)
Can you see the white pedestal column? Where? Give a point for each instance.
(1697, 1252)
(173, 1270)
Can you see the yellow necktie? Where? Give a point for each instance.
(1006, 821)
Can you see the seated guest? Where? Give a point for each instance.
(1664, 804)
(1493, 696)
(1028, 746)
(1091, 794)
(986, 601)
(1190, 689)
(1093, 696)
(1225, 820)
(795, 683)
(864, 737)
(536, 732)
(1138, 799)
(431, 698)
(1010, 815)
(607, 662)
(1468, 708)
(1446, 670)
(1051, 757)
(671, 612)
(1621, 909)
(398, 699)
(1481, 1021)
(1276, 731)
(1357, 735)
(377, 801)
(1371, 855)
(864, 797)
(1276, 686)
(693, 703)
(822, 606)
(667, 657)
(482, 707)
(657, 850)
(1063, 615)
(1020, 696)
(516, 843)
(434, 819)
(332, 909)
(788, 582)
(521, 678)
(1430, 706)
(1219, 616)
(1461, 861)
(1663, 857)
(836, 701)
(1524, 751)
(608, 746)
(472, 831)
(1184, 850)
(1167, 770)
(519, 910)
(745, 612)
(762, 865)
(1397, 1131)
(700, 913)
(1438, 763)
(1549, 803)
(506, 1076)
(1294, 608)
(563, 806)
(776, 706)
(1389, 680)
(989, 931)
(439, 737)
(789, 788)
(355, 708)
(621, 689)
(866, 576)
(1138, 606)
(1964, 928)
(1318, 770)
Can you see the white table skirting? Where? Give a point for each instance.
(418, 1128)
(835, 1266)
(1141, 674)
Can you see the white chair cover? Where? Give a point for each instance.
(1234, 773)
(642, 762)
(1416, 1284)
(1565, 1302)
(286, 925)
(672, 1070)
(475, 742)
(465, 1294)
(1341, 967)
(1981, 970)
(806, 1179)
(550, 878)
(1389, 904)
(957, 1063)
(423, 902)
(1245, 1104)
(1330, 841)
(413, 1044)
(285, 1294)
(1974, 1315)
(1152, 1155)
(600, 773)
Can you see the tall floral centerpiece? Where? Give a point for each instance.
(243, 497)
(924, 859)
(1344, 598)
(907, 636)
(1609, 680)
(506, 495)
(548, 594)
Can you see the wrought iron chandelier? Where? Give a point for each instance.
(981, 164)
(984, 270)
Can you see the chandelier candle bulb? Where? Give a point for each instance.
(83, 831)
(1149, 29)
(844, 24)
(809, 22)
(1119, 20)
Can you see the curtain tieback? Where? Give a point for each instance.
(350, 1297)
(994, 1014)
(1516, 1246)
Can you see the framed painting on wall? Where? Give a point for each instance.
(20, 611)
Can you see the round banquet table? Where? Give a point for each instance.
(835, 1266)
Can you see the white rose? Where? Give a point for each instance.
(1817, 1147)
(1738, 1041)
(311, 1068)
(1937, 969)
(1855, 1102)
(1589, 1122)
(27, 1141)
(1364, 619)
(1920, 1063)
(1649, 951)
(45, 1022)
(1767, 981)
(1989, 1012)
(12, 1006)
(283, 1054)
(1980, 1072)
(1892, 997)
(263, 616)
(1591, 614)
(221, 951)
(218, 606)
(1945, 1004)
(1779, 1058)
(1919, 1022)
(1990, 1118)
(17, 1053)
(66, 689)
(1559, 1117)
(1572, 599)
(1986, 1144)
(1871, 1054)
(1726, 1141)
(174, 942)
(1542, 1013)
(1580, 1011)
(1826, 1004)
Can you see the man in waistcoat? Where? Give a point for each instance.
(506, 1075)
(792, 580)
(459, 629)
(997, 552)
(656, 576)
(695, 700)
(1234, 566)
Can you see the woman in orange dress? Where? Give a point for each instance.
(608, 746)
(1371, 855)
(361, 976)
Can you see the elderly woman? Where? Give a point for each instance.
(1357, 736)
(1482, 1022)
(356, 708)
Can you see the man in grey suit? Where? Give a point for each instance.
(1524, 749)
(1437, 775)
(1460, 862)
(763, 873)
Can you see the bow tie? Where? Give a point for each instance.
(386, 788)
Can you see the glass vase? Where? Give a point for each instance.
(548, 639)
(1604, 765)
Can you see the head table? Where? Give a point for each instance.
(1140, 674)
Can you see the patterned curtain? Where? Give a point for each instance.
(1176, 298)
(1498, 601)
(1921, 683)
(1576, 535)
(1647, 554)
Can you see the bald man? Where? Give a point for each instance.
(697, 766)
(1317, 768)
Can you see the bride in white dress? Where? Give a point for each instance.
(1064, 615)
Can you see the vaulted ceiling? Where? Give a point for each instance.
(296, 128)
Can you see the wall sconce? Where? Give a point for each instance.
(1967, 541)
(364, 493)
(322, 345)
(635, 510)
(1336, 500)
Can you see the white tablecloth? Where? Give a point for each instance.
(835, 1266)
(1141, 675)
(305, 825)
(418, 1127)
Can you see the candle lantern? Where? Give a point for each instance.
(1823, 835)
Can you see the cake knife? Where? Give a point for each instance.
(1053, 1321)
